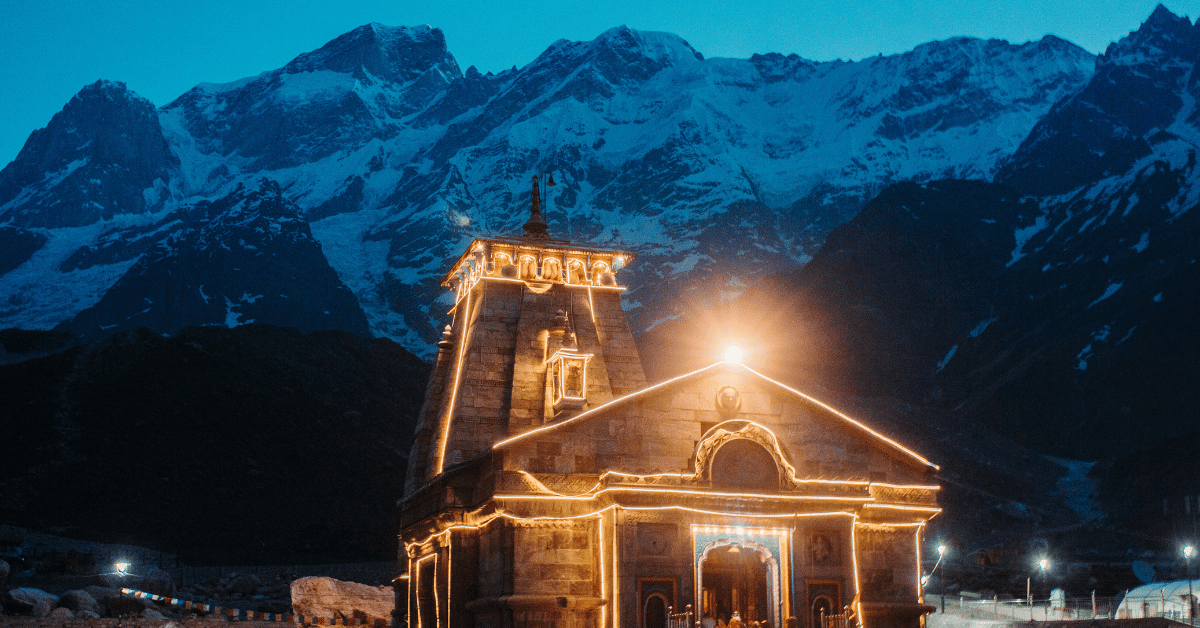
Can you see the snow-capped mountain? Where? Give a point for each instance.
(1057, 311)
(248, 257)
(103, 155)
(716, 171)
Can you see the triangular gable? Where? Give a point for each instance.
(683, 380)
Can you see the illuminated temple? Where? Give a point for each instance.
(550, 486)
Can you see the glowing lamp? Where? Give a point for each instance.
(733, 354)
(1044, 564)
(941, 550)
(1189, 551)
(568, 379)
(122, 568)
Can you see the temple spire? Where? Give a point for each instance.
(536, 226)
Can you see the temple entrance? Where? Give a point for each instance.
(735, 581)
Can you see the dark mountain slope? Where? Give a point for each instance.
(254, 445)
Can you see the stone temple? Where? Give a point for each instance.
(549, 485)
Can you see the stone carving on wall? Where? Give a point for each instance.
(823, 548)
(729, 401)
(656, 539)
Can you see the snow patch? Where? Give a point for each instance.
(946, 360)
(983, 325)
(1077, 489)
(1142, 243)
(1023, 235)
(1082, 357)
(1108, 292)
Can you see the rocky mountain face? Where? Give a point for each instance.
(253, 445)
(716, 171)
(103, 155)
(247, 257)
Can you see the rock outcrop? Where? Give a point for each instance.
(327, 597)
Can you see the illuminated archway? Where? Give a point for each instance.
(738, 575)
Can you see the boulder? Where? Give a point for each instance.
(327, 597)
(150, 613)
(24, 599)
(246, 585)
(123, 605)
(88, 615)
(4, 571)
(79, 600)
(61, 614)
(158, 582)
(42, 608)
(99, 593)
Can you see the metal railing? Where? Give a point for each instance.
(679, 620)
(835, 621)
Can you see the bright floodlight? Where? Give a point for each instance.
(122, 568)
(1189, 551)
(941, 549)
(733, 354)
(1044, 564)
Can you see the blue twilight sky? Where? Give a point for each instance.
(49, 49)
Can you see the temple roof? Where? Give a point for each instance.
(618, 403)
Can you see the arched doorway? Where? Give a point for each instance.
(822, 609)
(739, 578)
(654, 615)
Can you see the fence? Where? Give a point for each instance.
(679, 620)
(835, 621)
(1061, 609)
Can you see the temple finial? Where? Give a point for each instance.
(536, 226)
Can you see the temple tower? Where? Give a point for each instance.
(537, 335)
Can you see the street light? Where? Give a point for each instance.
(1188, 551)
(941, 555)
(1044, 564)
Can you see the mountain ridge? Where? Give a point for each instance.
(654, 147)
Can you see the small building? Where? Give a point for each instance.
(549, 485)
(1174, 600)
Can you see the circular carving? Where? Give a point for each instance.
(729, 400)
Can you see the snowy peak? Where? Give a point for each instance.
(620, 55)
(1163, 34)
(104, 154)
(1132, 107)
(663, 48)
(392, 53)
(355, 89)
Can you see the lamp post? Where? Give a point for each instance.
(1188, 551)
(941, 555)
(1044, 563)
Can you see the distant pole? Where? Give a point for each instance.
(1187, 554)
